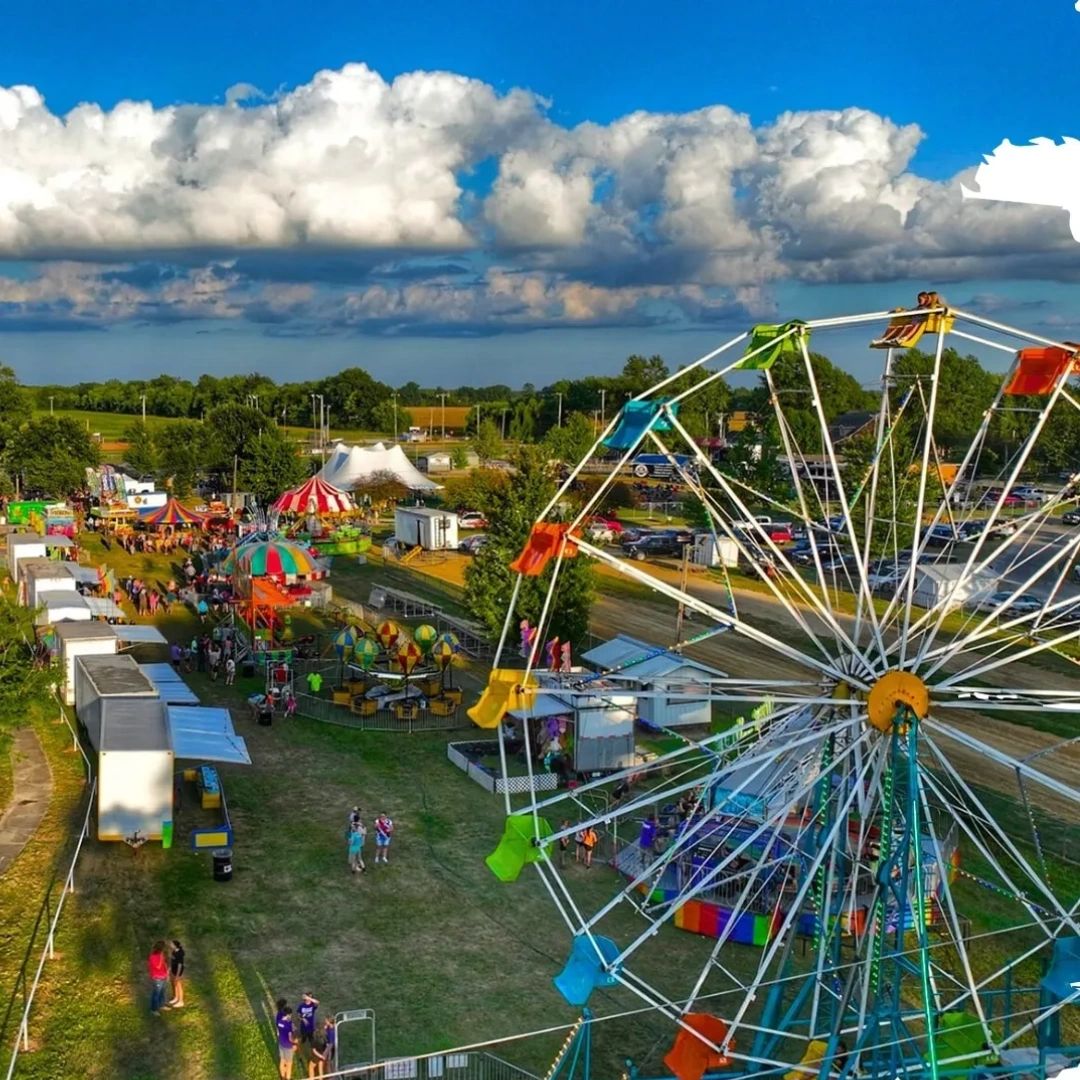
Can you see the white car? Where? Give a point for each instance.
(472, 519)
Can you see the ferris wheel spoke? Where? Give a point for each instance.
(703, 607)
(733, 534)
(987, 819)
(824, 610)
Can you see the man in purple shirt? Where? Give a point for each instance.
(286, 1042)
(306, 1011)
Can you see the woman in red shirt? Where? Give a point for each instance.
(158, 968)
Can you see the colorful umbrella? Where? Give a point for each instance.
(387, 632)
(172, 513)
(366, 652)
(408, 656)
(425, 636)
(315, 496)
(274, 558)
(444, 650)
(345, 641)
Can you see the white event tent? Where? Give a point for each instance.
(351, 466)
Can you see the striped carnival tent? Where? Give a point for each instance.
(315, 496)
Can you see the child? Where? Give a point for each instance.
(384, 830)
(589, 839)
(158, 968)
(306, 1011)
(176, 970)
(357, 833)
(320, 1052)
(564, 842)
(286, 1042)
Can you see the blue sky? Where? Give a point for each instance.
(477, 227)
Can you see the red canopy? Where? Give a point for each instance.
(172, 513)
(315, 496)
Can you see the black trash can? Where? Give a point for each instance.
(247, 669)
(223, 864)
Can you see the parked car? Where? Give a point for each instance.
(658, 545)
(472, 519)
(994, 495)
(472, 544)
(1071, 517)
(1024, 604)
(972, 530)
(633, 533)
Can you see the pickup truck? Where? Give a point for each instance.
(780, 532)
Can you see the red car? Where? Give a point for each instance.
(779, 534)
(598, 521)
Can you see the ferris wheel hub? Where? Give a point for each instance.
(896, 689)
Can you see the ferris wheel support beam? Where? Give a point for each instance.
(1013, 331)
(705, 608)
(825, 613)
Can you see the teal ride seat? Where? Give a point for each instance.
(518, 846)
(635, 419)
(585, 970)
(1062, 980)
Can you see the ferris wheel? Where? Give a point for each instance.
(857, 850)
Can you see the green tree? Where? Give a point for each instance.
(383, 418)
(51, 454)
(571, 442)
(271, 465)
(489, 581)
(141, 454)
(230, 429)
(459, 458)
(487, 442)
(13, 404)
(181, 450)
(23, 679)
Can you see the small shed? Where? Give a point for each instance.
(75, 639)
(135, 769)
(435, 463)
(61, 605)
(433, 530)
(24, 546)
(674, 688)
(43, 575)
(942, 584)
(99, 678)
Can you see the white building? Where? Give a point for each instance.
(936, 585)
(674, 688)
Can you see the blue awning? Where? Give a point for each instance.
(206, 734)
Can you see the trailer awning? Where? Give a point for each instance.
(85, 575)
(170, 685)
(206, 734)
(139, 634)
(104, 607)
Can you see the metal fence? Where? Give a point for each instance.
(462, 755)
(468, 1065)
(325, 711)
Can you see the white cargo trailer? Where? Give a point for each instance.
(24, 546)
(43, 575)
(135, 770)
(61, 605)
(433, 530)
(101, 678)
(75, 639)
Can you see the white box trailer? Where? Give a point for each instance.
(43, 575)
(433, 530)
(101, 678)
(24, 546)
(75, 639)
(136, 769)
(718, 551)
(61, 605)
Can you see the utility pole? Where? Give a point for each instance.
(442, 398)
(235, 470)
(504, 425)
(682, 607)
(603, 409)
(478, 418)
(394, 396)
(50, 404)
(143, 399)
(559, 394)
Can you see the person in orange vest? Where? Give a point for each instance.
(588, 840)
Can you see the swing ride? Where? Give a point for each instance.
(864, 905)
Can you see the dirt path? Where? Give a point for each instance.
(31, 792)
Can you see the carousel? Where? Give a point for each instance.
(323, 513)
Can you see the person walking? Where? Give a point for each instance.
(157, 967)
(230, 671)
(287, 1042)
(357, 833)
(176, 971)
(384, 831)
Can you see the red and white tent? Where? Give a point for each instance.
(315, 496)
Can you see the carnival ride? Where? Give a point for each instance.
(865, 906)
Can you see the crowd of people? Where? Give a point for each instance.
(300, 1031)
